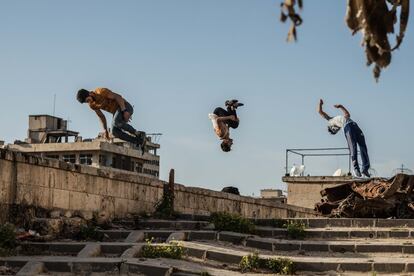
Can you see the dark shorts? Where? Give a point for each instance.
(118, 118)
(221, 112)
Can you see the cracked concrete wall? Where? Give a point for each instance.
(7, 187)
(305, 191)
(52, 184)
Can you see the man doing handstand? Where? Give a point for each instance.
(223, 120)
(354, 136)
(104, 99)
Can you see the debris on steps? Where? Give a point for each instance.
(371, 198)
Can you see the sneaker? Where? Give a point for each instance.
(357, 173)
(366, 174)
(141, 140)
(236, 105)
(231, 102)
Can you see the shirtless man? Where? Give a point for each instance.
(353, 134)
(104, 99)
(223, 120)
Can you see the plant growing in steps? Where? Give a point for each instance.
(90, 232)
(253, 262)
(7, 239)
(295, 230)
(229, 222)
(173, 250)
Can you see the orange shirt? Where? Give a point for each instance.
(102, 101)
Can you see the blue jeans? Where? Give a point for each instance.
(354, 137)
(121, 129)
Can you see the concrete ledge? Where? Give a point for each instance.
(232, 237)
(223, 257)
(202, 235)
(350, 222)
(260, 243)
(31, 268)
(177, 236)
(116, 234)
(389, 267)
(79, 187)
(158, 234)
(132, 252)
(90, 250)
(196, 253)
(145, 268)
(135, 236)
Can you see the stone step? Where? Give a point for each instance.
(225, 254)
(356, 246)
(86, 266)
(340, 233)
(248, 242)
(311, 263)
(80, 249)
(269, 232)
(188, 223)
(172, 224)
(116, 266)
(340, 222)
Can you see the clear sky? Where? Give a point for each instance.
(177, 60)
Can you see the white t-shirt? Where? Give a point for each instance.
(213, 118)
(338, 121)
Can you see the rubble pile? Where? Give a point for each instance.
(372, 198)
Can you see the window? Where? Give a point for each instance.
(85, 159)
(52, 156)
(138, 167)
(102, 160)
(70, 158)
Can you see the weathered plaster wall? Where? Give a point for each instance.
(7, 187)
(52, 184)
(305, 191)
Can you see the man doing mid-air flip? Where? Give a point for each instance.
(353, 134)
(104, 99)
(223, 120)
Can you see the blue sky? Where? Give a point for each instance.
(177, 60)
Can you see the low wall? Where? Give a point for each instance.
(305, 191)
(48, 183)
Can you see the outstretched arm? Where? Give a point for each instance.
(103, 122)
(344, 110)
(321, 112)
(227, 118)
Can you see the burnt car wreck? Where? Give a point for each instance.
(371, 198)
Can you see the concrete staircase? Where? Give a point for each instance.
(331, 247)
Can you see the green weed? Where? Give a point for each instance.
(230, 222)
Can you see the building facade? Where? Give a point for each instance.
(273, 195)
(48, 137)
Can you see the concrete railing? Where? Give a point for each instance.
(48, 183)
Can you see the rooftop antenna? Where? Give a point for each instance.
(54, 104)
(67, 123)
(155, 136)
(403, 169)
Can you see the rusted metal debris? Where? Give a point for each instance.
(373, 198)
(374, 18)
